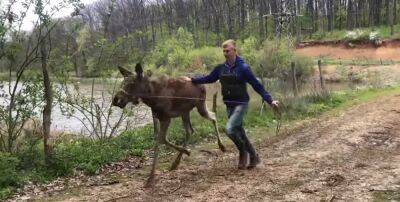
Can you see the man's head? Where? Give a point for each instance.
(229, 48)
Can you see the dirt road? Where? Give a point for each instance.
(390, 52)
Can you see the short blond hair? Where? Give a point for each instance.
(229, 42)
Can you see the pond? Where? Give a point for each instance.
(79, 122)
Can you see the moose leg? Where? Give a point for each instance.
(163, 137)
(202, 108)
(220, 145)
(188, 131)
(150, 180)
(190, 126)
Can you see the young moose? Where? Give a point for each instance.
(167, 98)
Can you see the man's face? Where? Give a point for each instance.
(229, 51)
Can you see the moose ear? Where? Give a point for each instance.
(124, 72)
(139, 70)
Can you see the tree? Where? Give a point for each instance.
(44, 25)
(350, 14)
(330, 16)
(22, 97)
(395, 12)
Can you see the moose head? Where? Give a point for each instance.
(134, 86)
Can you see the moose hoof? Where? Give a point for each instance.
(176, 163)
(174, 166)
(150, 182)
(187, 152)
(222, 147)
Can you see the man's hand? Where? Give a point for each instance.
(185, 78)
(275, 104)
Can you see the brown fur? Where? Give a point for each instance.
(168, 98)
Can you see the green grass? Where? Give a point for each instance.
(384, 32)
(90, 155)
(358, 62)
(386, 195)
(362, 96)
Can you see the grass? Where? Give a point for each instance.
(386, 195)
(358, 62)
(89, 156)
(384, 32)
(367, 95)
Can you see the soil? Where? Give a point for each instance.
(352, 156)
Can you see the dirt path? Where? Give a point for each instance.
(354, 156)
(337, 52)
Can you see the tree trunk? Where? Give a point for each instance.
(48, 102)
(395, 12)
(364, 12)
(378, 5)
(310, 12)
(330, 15)
(388, 16)
(340, 14)
(371, 13)
(261, 19)
(242, 15)
(298, 4)
(229, 19)
(357, 14)
(265, 5)
(316, 16)
(153, 30)
(84, 70)
(391, 20)
(274, 10)
(217, 22)
(350, 17)
(76, 68)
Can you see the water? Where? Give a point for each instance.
(78, 123)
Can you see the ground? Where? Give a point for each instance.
(353, 155)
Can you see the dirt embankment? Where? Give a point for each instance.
(354, 156)
(386, 50)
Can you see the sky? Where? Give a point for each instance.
(30, 18)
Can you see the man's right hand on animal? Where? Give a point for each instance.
(185, 78)
(275, 104)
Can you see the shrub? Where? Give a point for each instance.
(205, 58)
(249, 50)
(275, 61)
(8, 171)
(31, 153)
(84, 154)
(171, 52)
(5, 192)
(304, 67)
(89, 155)
(363, 35)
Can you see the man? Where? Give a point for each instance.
(233, 75)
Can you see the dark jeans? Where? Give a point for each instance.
(235, 130)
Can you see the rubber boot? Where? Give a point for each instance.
(243, 155)
(254, 159)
